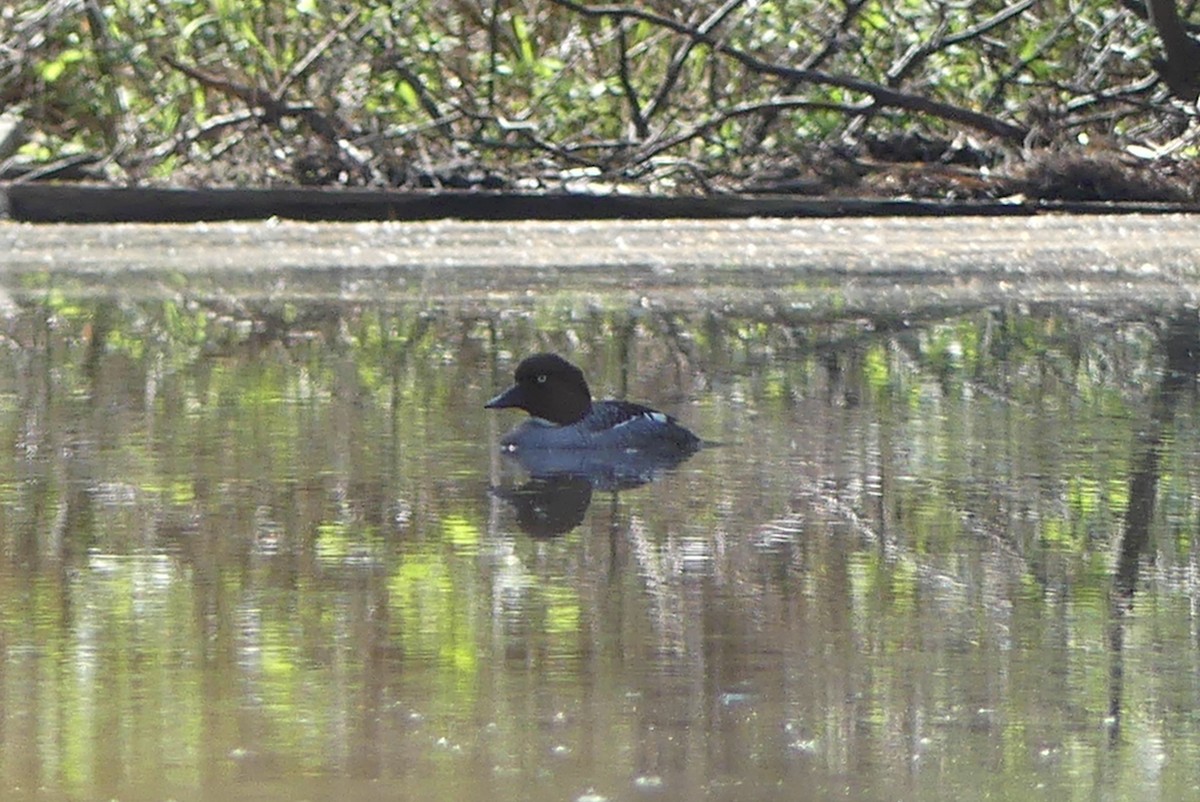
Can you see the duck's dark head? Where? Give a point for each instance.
(548, 387)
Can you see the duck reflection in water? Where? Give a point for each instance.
(555, 497)
(570, 445)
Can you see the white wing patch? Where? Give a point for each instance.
(657, 417)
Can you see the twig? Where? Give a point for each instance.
(528, 135)
(675, 68)
(831, 41)
(196, 133)
(331, 129)
(304, 64)
(1122, 94)
(57, 167)
(742, 110)
(250, 95)
(407, 131)
(990, 24)
(424, 96)
(1042, 47)
(493, 54)
(564, 153)
(882, 95)
(635, 106)
(915, 55)
(918, 53)
(830, 46)
(114, 131)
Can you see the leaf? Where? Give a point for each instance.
(524, 43)
(51, 71)
(408, 95)
(199, 22)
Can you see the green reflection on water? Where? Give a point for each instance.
(259, 548)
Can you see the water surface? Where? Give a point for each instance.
(268, 550)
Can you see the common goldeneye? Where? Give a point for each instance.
(563, 415)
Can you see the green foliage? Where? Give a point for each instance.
(383, 74)
(51, 71)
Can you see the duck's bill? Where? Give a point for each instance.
(512, 397)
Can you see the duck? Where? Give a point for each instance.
(563, 416)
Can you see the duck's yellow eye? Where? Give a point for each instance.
(541, 378)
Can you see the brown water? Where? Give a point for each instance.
(271, 552)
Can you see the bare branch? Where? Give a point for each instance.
(493, 53)
(831, 45)
(743, 110)
(631, 95)
(1015, 70)
(680, 57)
(328, 128)
(902, 68)
(210, 127)
(990, 24)
(304, 64)
(250, 95)
(1180, 68)
(882, 95)
(1122, 94)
